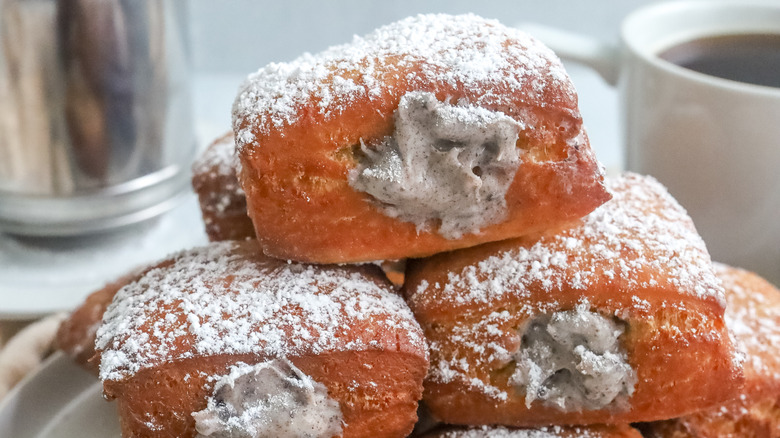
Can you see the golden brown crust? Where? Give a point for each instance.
(296, 174)
(76, 335)
(222, 201)
(637, 258)
(737, 419)
(701, 375)
(343, 326)
(753, 316)
(394, 271)
(377, 392)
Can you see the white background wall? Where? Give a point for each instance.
(243, 35)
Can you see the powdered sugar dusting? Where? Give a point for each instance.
(641, 238)
(225, 299)
(219, 162)
(502, 432)
(753, 318)
(219, 157)
(461, 50)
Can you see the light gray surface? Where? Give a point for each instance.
(59, 400)
(42, 276)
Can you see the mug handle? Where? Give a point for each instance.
(600, 56)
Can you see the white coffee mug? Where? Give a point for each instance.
(713, 142)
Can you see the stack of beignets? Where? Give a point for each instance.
(436, 133)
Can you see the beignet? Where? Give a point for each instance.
(616, 320)
(433, 133)
(224, 341)
(753, 316)
(221, 198)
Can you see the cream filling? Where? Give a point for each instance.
(269, 399)
(572, 360)
(452, 163)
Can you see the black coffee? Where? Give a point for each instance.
(750, 58)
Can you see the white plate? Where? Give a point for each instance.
(59, 400)
(41, 276)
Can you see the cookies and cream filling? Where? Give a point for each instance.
(448, 162)
(269, 399)
(573, 360)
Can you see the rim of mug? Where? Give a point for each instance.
(652, 56)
